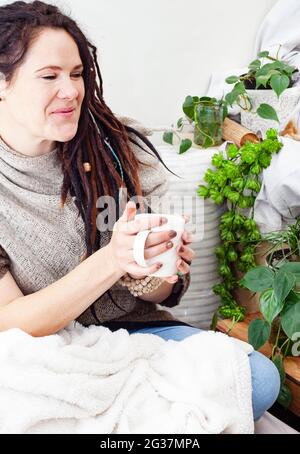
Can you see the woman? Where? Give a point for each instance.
(61, 149)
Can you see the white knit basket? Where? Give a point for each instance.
(199, 303)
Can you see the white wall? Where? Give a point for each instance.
(153, 53)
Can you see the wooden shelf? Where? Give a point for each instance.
(291, 363)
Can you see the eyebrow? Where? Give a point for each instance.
(58, 67)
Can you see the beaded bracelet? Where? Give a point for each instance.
(139, 286)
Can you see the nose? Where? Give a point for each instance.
(68, 89)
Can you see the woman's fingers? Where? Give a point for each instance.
(158, 249)
(187, 237)
(182, 266)
(186, 253)
(155, 238)
(135, 226)
(140, 272)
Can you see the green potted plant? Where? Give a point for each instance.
(265, 94)
(205, 115)
(278, 284)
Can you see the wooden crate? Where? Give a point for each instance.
(291, 363)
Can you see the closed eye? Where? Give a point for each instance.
(54, 77)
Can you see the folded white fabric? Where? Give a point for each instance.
(278, 202)
(90, 380)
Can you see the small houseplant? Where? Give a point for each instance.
(267, 79)
(205, 115)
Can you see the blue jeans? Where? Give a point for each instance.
(264, 374)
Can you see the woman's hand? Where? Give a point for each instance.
(157, 243)
(122, 240)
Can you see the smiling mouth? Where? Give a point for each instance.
(64, 114)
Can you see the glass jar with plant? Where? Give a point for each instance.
(236, 182)
(267, 79)
(206, 116)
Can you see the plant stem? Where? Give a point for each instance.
(276, 341)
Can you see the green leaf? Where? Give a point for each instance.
(283, 283)
(214, 322)
(258, 333)
(258, 279)
(255, 64)
(231, 79)
(168, 137)
(285, 396)
(239, 88)
(262, 80)
(263, 54)
(290, 318)
(179, 123)
(268, 112)
(207, 100)
(231, 97)
(292, 267)
(188, 107)
(279, 364)
(279, 83)
(185, 145)
(269, 305)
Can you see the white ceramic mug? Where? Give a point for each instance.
(167, 258)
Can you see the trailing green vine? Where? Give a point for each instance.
(236, 181)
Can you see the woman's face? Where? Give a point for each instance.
(37, 91)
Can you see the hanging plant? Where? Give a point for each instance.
(236, 182)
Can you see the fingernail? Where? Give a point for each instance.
(169, 245)
(163, 221)
(159, 265)
(172, 234)
(179, 263)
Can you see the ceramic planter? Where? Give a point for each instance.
(283, 105)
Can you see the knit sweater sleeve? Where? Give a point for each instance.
(4, 262)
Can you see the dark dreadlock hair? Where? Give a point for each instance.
(20, 24)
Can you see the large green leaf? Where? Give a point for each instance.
(258, 279)
(264, 79)
(269, 306)
(258, 333)
(268, 112)
(279, 83)
(188, 107)
(283, 283)
(292, 267)
(290, 318)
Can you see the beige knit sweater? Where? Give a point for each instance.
(41, 242)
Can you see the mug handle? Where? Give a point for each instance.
(139, 247)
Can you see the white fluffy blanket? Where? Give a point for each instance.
(90, 380)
